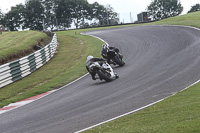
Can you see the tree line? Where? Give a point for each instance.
(57, 14)
(61, 14)
(161, 9)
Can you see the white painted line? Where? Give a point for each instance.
(22, 103)
(95, 37)
(119, 116)
(19, 104)
(183, 26)
(1, 112)
(72, 82)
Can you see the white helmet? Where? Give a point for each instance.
(89, 57)
(105, 45)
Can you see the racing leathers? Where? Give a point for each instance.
(91, 60)
(105, 49)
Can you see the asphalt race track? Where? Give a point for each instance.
(160, 61)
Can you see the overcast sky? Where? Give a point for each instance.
(125, 8)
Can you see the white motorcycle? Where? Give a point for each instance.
(104, 71)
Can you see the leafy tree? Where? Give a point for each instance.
(1, 17)
(104, 14)
(110, 15)
(80, 10)
(160, 9)
(63, 14)
(77, 11)
(2, 22)
(194, 8)
(98, 12)
(49, 13)
(16, 17)
(34, 14)
(40, 14)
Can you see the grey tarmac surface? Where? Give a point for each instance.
(160, 61)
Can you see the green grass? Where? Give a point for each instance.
(17, 44)
(191, 19)
(179, 113)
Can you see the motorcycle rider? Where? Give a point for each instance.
(105, 49)
(90, 60)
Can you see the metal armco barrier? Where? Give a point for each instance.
(22, 67)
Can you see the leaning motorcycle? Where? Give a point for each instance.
(114, 56)
(104, 71)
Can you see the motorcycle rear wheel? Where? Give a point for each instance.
(119, 60)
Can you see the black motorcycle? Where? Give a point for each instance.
(112, 55)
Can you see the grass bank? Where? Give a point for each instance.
(14, 45)
(191, 19)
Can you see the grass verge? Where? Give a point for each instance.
(14, 45)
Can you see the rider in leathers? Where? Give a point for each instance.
(105, 49)
(90, 60)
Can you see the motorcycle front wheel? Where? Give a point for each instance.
(104, 75)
